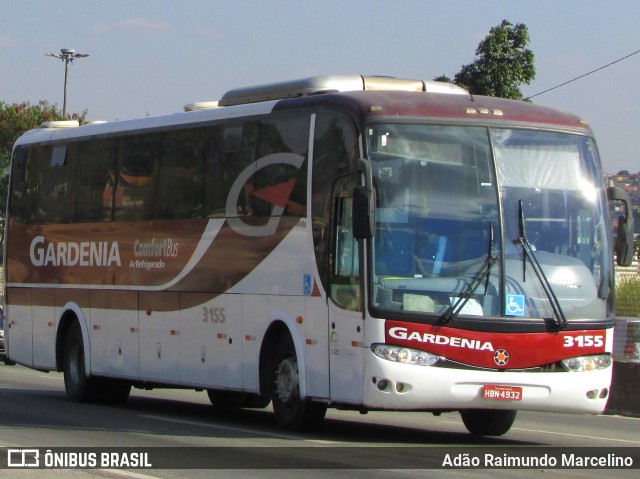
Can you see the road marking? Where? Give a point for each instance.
(582, 436)
(238, 429)
(119, 473)
(626, 418)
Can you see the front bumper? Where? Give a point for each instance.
(396, 386)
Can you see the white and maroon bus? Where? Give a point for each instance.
(365, 243)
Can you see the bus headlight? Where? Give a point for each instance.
(587, 363)
(404, 355)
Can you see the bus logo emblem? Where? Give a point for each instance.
(277, 195)
(501, 357)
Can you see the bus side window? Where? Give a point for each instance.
(96, 160)
(54, 169)
(135, 182)
(215, 184)
(239, 150)
(19, 191)
(180, 179)
(334, 154)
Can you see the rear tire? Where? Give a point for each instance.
(488, 422)
(78, 386)
(292, 412)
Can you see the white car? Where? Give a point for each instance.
(3, 356)
(2, 353)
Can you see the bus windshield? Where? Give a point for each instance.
(444, 244)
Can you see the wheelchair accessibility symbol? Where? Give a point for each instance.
(307, 284)
(515, 305)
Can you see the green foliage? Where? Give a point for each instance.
(628, 297)
(503, 63)
(443, 78)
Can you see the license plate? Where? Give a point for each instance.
(502, 393)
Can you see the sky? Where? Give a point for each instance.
(151, 57)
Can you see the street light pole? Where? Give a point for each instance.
(67, 55)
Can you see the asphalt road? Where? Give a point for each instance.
(34, 413)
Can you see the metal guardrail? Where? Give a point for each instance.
(623, 272)
(626, 340)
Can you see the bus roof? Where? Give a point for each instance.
(435, 106)
(362, 97)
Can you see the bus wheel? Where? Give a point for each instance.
(292, 412)
(488, 422)
(78, 386)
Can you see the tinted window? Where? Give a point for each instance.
(93, 192)
(175, 174)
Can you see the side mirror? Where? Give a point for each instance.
(363, 216)
(364, 204)
(625, 228)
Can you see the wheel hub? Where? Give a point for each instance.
(286, 379)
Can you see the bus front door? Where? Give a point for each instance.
(346, 354)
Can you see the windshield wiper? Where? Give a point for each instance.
(482, 275)
(537, 269)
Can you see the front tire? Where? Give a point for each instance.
(292, 412)
(488, 422)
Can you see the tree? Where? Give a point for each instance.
(443, 78)
(15, 119)
(503, 63)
